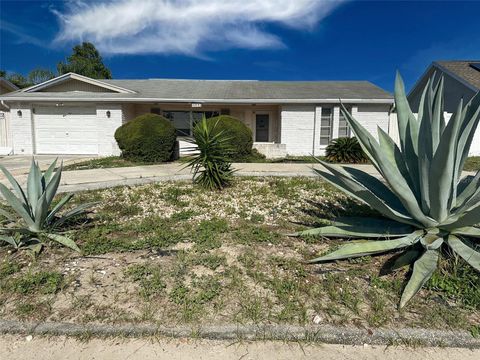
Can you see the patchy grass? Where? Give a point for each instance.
(472, 164)
(173, 253)
(103, 163)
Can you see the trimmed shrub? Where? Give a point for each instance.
(241, 140)
(345, 150)
(147, 138)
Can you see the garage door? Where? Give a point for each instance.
(66, 130)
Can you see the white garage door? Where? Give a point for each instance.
(66, 130)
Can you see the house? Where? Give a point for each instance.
(462, 81)
(74, 114)
(5, 146)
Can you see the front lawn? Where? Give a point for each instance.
(472, 163)
(103, 163)
(172, 253)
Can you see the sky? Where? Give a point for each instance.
(243, 39)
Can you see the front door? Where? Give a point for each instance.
(262, 127)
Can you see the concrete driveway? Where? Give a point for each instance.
(20, 164)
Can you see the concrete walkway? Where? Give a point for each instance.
(20, 164)
(78, 180)
(41, 348)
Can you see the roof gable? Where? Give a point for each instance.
(74, 82)
(462, 71)
(6, 86)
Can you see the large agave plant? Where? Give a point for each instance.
(427, 204)
(31, 216)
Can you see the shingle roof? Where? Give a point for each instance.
(234, 90)
(463, 70)
(237, 89)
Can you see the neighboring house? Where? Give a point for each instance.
(73, 114)
(462, 81)
(5, 134)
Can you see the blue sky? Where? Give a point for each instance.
(243, 39)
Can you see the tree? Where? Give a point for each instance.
(19, 80)
(85, 60)
(3, 73)
(39, 75)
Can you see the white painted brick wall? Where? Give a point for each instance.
(107, 145)
(21, 127)
(297, 129)
(373, 115)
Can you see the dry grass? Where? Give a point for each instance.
(172, 253)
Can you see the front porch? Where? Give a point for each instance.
(263, 120)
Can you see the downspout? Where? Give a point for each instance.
(5, 105)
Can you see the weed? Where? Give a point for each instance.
(207, 235)
(42, 282)
(149, 277)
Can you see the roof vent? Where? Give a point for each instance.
(476, 66)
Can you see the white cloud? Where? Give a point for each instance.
(190, 27)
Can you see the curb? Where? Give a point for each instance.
(315, 333)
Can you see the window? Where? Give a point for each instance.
(326, 126)
(343, 128)
(184, 121)
(225, 112)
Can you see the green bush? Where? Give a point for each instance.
(345, 150)
(241, 140)
(147, 138)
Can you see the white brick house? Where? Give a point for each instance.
(73, 114)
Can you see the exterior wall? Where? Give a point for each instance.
(372, 116)
(297, 129)
(245, 113)
(21, 128)
(107, 145)
(5, 133)
(300, 125)
(23, 135)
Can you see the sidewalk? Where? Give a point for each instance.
(40, 348)
(79, 180)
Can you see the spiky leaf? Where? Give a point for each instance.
(466, 249)
(363, 248)
(423, 270)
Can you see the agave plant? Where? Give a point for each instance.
(211, 166)
(345, 150)
(428, 205)
(33, 210)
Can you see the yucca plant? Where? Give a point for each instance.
(31, 217)
(427, 204)
(345, 150)
(211, 166)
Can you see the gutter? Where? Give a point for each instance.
(203, 101)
